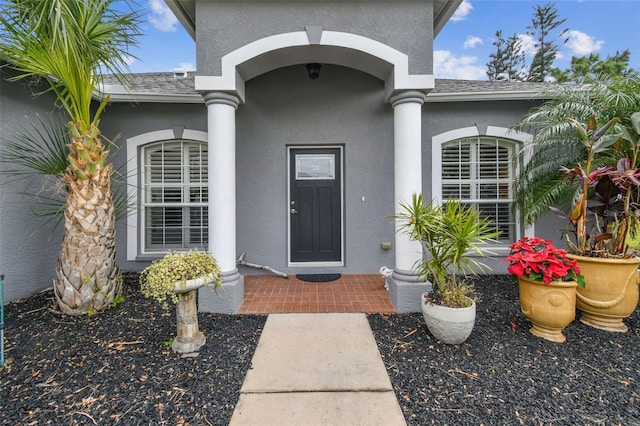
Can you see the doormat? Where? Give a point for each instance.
(318, 278)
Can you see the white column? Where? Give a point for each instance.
(221, 110)
(407, 122)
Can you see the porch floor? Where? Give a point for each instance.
(351, 293)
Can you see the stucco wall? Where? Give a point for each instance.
(343, 107)
(28, 248)
(403, 25)
(284, 108)
(438, 118)
(125, 120)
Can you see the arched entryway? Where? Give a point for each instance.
(223, 94)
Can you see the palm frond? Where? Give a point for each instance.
(555, 143)
(40, 147)
(70, 44)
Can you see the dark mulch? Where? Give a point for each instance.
(503, 375)
(114, 368)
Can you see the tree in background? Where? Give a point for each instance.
(68, 44)
(587, 68)
(508, 60)
(545, 20)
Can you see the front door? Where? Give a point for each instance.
(315, 205)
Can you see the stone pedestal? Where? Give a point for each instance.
(189, 337)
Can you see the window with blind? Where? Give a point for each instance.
(479, 172)
(174, 202)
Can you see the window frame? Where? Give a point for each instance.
(135, 161)
(503, 135)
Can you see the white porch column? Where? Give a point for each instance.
(404, 286)
(221, 121)
(407, 122)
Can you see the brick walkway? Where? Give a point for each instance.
(351, 293)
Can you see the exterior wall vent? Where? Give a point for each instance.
(179, 73)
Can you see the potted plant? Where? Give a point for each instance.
(547, 281)
(448, 235)
(595, 131)
(176, 278)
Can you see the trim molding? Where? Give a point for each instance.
(521, 139)
(391, 65)
(134, 146)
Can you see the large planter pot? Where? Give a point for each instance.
(550, 308)
(449, 325)
(189, 338)
(610, 293)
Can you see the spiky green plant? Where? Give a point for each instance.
(450, 235)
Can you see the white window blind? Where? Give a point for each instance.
(175, 196)
(479, 172)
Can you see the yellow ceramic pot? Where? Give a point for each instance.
(550, 308)
(611, 291)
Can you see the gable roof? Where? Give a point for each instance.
(165, 87)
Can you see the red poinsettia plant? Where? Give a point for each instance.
(539, 260)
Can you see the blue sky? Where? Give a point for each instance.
(461, 49)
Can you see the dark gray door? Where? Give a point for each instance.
(315, 205)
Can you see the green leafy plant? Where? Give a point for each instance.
(591, 134)
(607, 207)
(448, 235)
(159, 279)
(117, 300)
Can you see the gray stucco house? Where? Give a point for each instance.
(256, 153)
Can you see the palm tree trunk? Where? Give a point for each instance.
(88, 277)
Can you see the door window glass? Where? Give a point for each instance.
(315, 166)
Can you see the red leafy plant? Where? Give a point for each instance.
(539, 260)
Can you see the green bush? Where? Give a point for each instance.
(158, 279)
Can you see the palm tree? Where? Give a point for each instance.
(69, 44)
(555, 145)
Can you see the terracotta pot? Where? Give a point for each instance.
(550, 308)
(611, 291)
(449, 325)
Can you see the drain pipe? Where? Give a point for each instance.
(1, 320)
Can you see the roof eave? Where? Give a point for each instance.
(442, 16)
(524, 95)
(185, 11)
(158, 98)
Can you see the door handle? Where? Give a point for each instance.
(294, 211)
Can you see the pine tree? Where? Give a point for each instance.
(545, 20)
(587, 68)
(508, 60)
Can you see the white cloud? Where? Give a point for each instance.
(462, 12)
(581, 44)
(447, 65)
(472, 41)
(528, 44)
(128, 60)
(187, 66)
(162, 18)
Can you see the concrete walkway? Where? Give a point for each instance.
(317, 369)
